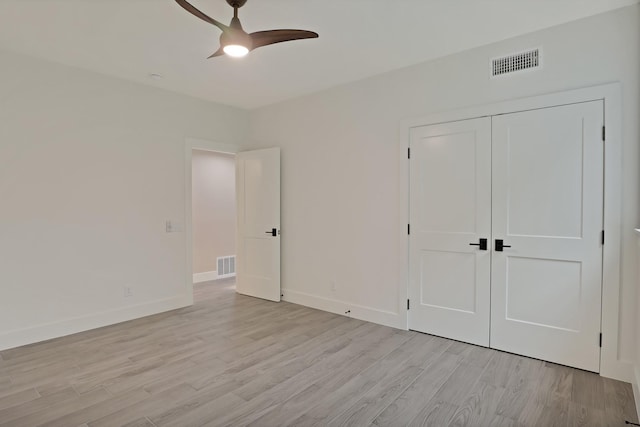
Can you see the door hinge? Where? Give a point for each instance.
(603, 237)
(600, 339)
(409, 229)
(408, 305)
(409, 153)
(604, 133)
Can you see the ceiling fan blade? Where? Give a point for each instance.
(217, 53)
(265, 38)
(194, 11)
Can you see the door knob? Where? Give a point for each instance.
(500, 245)
(273, 232)
(482, 243)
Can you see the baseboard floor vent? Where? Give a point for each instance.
(226, 266)
(529, 60)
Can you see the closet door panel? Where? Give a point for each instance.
(547, 203)
(450, 211)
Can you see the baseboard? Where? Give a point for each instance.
(210, 275)
(368, 314)
(617, 369)
(205, 276)
(66, 327)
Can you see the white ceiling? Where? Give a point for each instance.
(358, 38)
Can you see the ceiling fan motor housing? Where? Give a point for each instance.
(236, 38)
(236, 3)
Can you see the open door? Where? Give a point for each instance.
(258, 198)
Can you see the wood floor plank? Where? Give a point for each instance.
(188, 376)
(56, 385)
(284, 391)
(351, 374)
(553, 413)
(153, 403)
(479, 407)
(556, 382)
(84, 413)
(281, 414)
(333, 352)
(181, 408)
(500, 368)
(618, 401)
(515, 399)
(207, 413)
(472, 354)
(365, 410)
(583, 416)
(61, 408)
(407, 406)
(122, 384)
(36, 405)
(232, 360)
(588, 390)
(288, 369)
(18, 398)
(456, 387)
(95, 378)
(350, 391)
(436, 414)
(140, 422)
(6, 386)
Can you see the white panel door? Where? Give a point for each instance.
(450, 211)
(258, 241)
(547, 206)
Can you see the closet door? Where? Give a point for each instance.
(450, 212)
(547, 208)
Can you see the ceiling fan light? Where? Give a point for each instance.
(236, 50)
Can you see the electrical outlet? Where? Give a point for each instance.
(128, 291)
(334, 287)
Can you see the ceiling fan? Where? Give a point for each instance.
(234, 41)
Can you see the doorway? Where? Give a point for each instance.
(213, 196)
(257, 229)
(193, 145)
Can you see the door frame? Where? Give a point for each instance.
(610, 364)
(190, 145)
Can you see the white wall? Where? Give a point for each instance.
(340, 157)
(214, 208)
(91, 167)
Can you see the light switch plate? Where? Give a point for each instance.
(172, 226)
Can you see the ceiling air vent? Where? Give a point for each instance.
(517, 62)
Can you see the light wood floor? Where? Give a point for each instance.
(235, 360)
